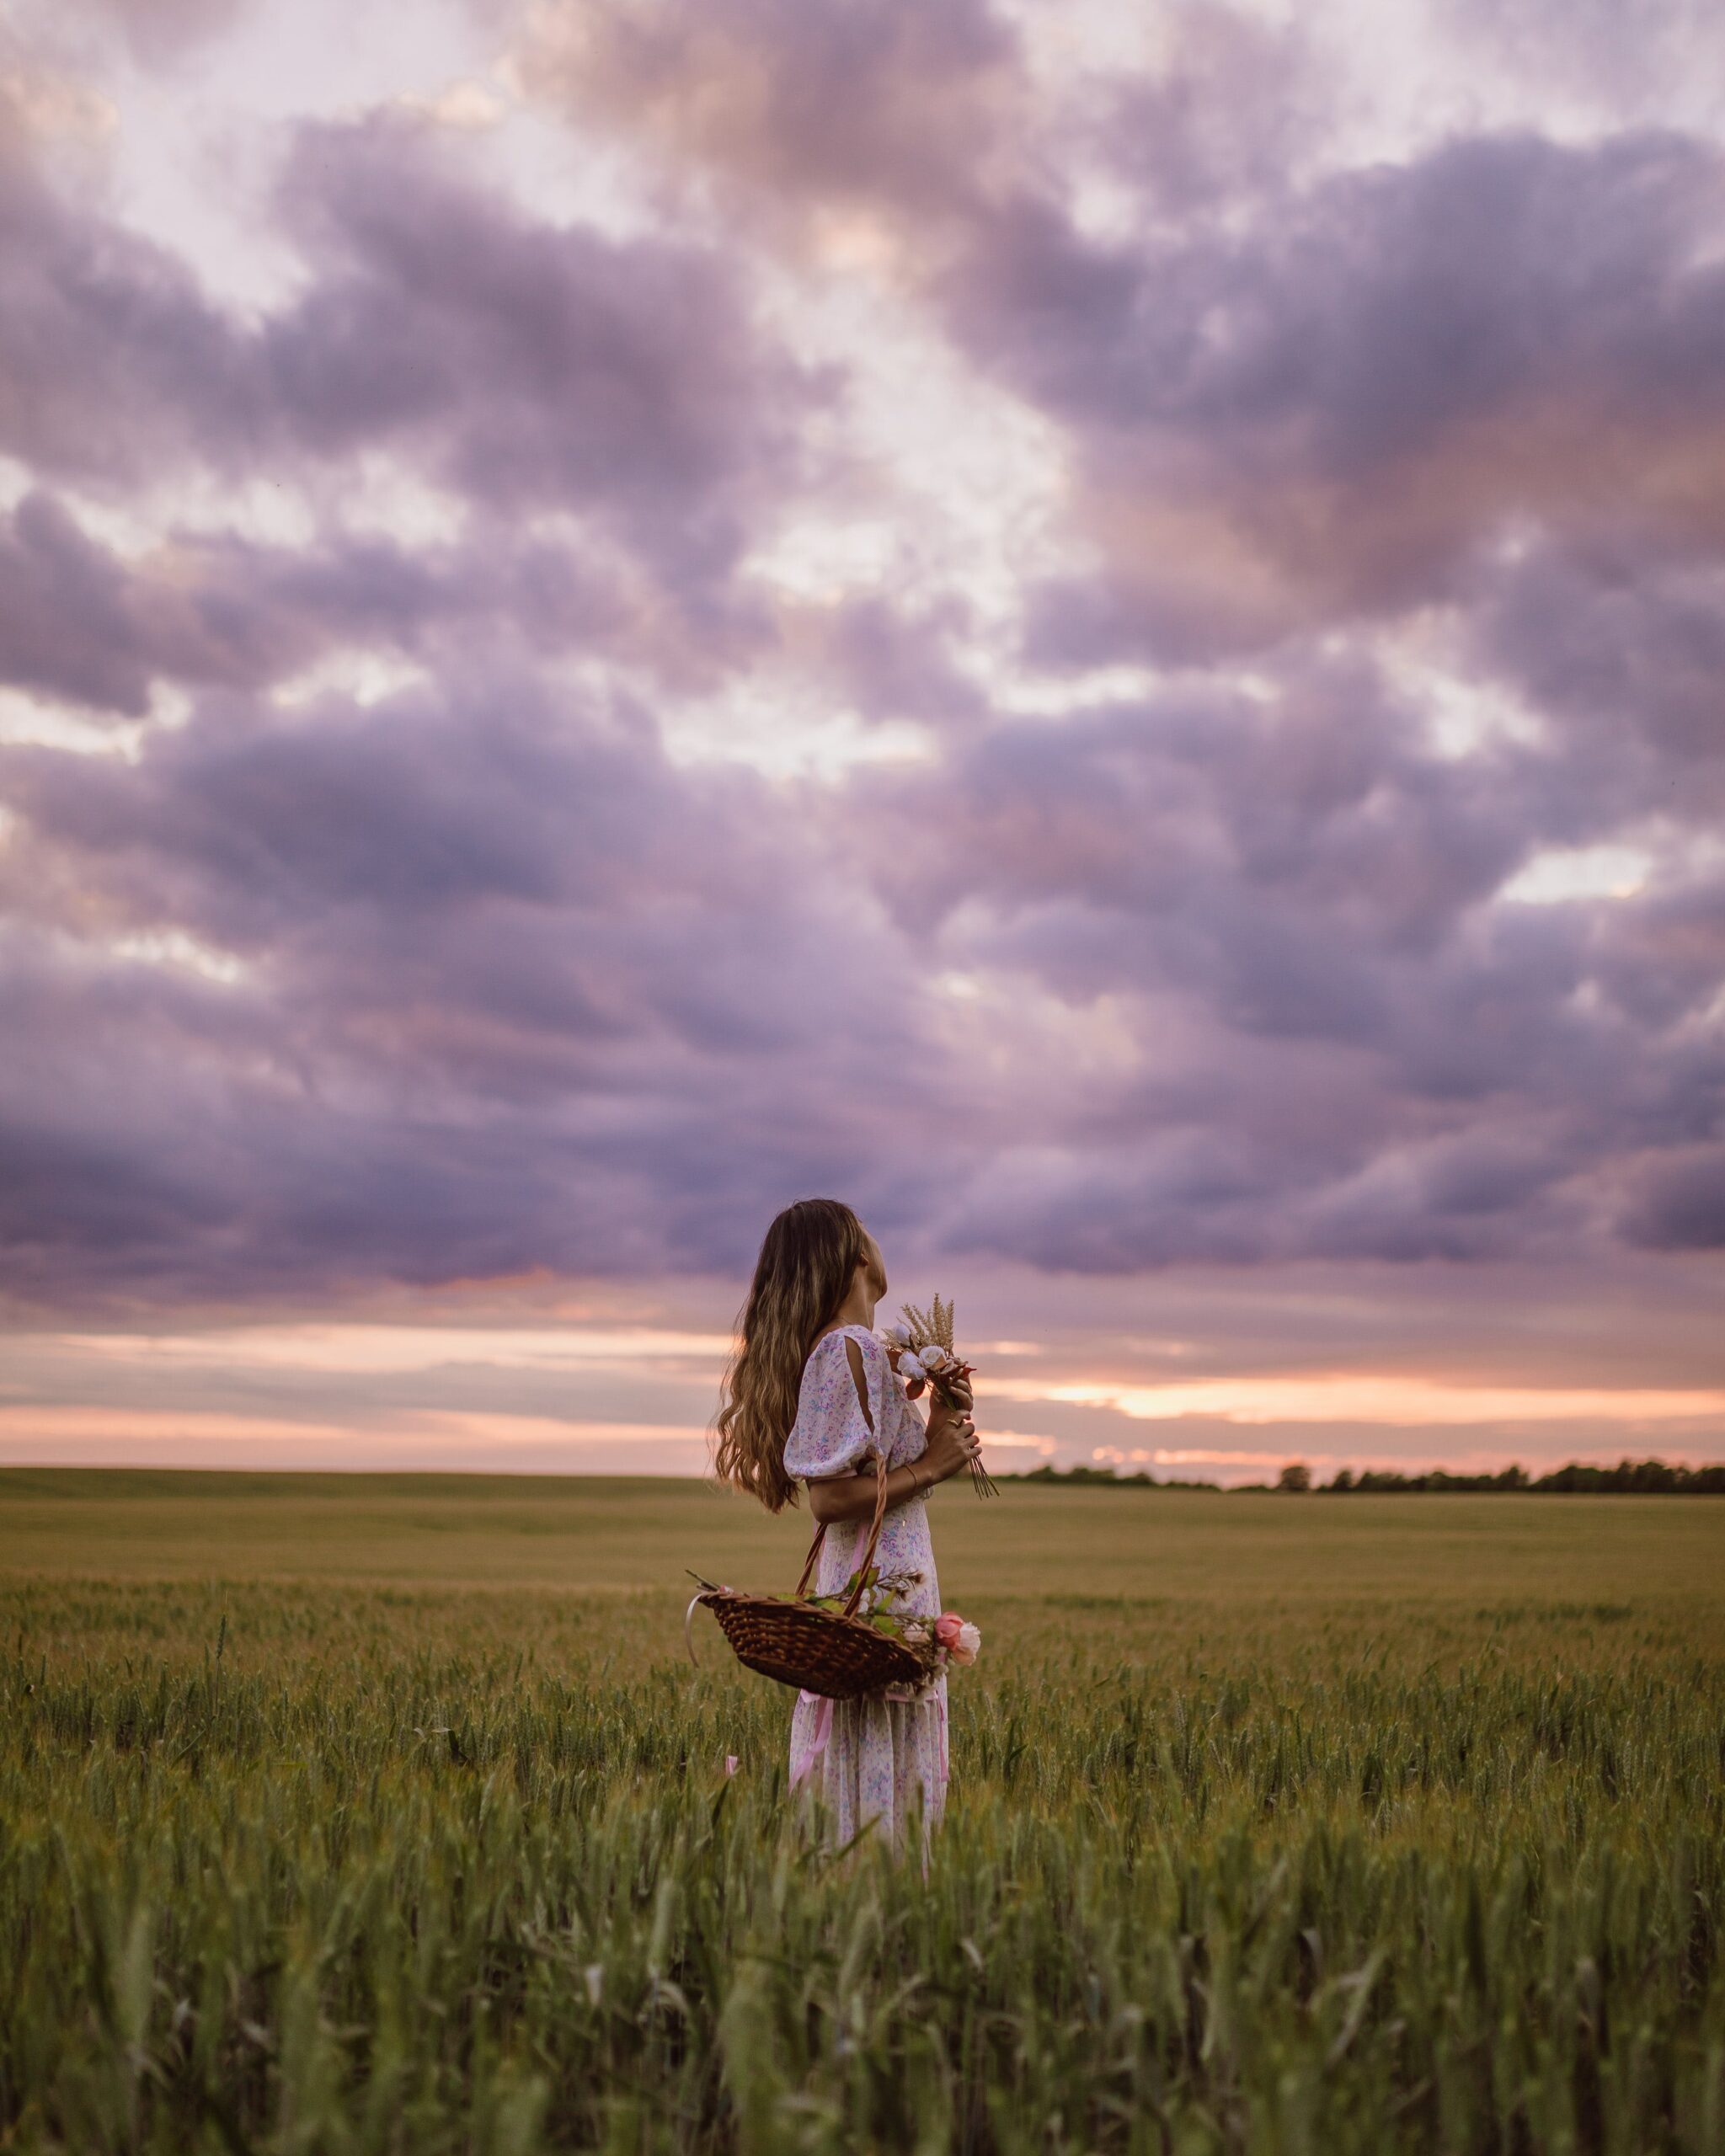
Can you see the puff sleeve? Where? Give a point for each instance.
(831, 1435)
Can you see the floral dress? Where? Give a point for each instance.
(884, 1756)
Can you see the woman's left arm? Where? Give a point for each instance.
(836, 1499)
(952, 1444)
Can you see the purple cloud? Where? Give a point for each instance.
(1620, 642)
(1678, 1203)
(99, 630)
(159, 32)
(113, 363)
(523, 365)
(874, 104)
(67, 624)
(1325, 419)
(478, 941)
(531, 965)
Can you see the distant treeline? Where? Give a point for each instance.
(1635, 1478)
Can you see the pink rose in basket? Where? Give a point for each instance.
(961, 1642)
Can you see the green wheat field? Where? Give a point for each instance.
(379, 1813)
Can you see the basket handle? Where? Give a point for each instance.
(867, 1557)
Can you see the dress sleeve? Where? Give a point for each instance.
(831, 1435)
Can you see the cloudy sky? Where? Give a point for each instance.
(1098, 629)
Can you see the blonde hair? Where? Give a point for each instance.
(808, 1261)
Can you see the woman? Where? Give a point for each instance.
(811, 1394)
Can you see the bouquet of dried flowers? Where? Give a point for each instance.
(921, 1350)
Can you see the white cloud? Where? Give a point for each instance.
(1594, 871)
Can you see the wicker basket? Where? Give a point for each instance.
(834, 1653)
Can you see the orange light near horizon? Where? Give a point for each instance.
(377, 1392)
(1348, 1397)
(460, 1441)
(379, 1349)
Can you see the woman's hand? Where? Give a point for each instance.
(953, 1442)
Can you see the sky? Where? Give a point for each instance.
(1097, 630)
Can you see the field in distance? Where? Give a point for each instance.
(379, 1813)
(587, 1534)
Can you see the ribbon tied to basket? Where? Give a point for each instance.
(797, 1640)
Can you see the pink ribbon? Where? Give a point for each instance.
(817, 1741)
(823, 1729)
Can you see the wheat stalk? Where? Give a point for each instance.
(932, 1328)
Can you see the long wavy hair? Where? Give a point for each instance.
(808, 1261)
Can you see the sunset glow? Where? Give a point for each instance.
(1353, 1397)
